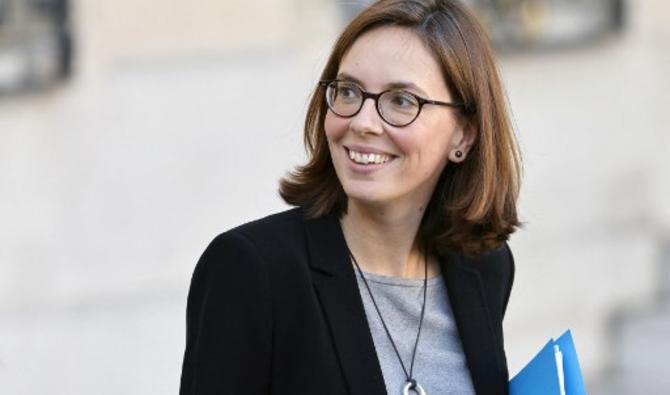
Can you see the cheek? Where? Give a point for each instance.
(425, 146)
(413, 143)
(335, 127)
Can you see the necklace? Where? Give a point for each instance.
(411, 383)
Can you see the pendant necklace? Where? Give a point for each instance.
(411, 383)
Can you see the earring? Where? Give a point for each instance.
(459, 154)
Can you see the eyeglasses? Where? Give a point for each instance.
(397, 107)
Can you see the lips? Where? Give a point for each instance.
(368, 156)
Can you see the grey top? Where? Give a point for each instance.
(440, 366)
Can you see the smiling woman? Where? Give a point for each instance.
(418, 147)
(392, 274)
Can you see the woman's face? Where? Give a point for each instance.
(384, 58)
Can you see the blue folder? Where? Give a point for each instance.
(553, 371)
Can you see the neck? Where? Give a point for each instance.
(385, 241)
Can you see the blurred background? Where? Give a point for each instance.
(132, 132)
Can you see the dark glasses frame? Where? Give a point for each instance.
(375, 97)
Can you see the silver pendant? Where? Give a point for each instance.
(417, 388)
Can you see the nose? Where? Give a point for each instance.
(367, 120)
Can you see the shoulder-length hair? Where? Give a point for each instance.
(473, 207)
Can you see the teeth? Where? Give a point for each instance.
(368, 158)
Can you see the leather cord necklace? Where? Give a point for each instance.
(411, 383)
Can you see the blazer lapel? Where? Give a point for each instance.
(336, 287)
(466, 295)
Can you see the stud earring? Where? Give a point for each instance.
(459, 154)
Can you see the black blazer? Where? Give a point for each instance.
(274, 308)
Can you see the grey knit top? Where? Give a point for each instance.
(440, 366)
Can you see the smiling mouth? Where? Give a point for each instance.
(367, 158)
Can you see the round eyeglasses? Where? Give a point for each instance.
(397, 107)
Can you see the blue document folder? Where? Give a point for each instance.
(554, 371)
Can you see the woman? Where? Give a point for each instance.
(392, 275)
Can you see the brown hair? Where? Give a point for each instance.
(473, 207)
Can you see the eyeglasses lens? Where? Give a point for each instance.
(398, 107)
(344, 98)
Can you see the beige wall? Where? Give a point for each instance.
(128, 30)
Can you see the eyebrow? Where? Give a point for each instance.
(391, 85)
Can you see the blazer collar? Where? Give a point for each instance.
(473, 319)
(337, 289)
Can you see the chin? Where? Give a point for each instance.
(366, 195)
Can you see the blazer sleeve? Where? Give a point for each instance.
(228, 321)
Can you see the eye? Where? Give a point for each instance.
(401, 99)
(347, 91)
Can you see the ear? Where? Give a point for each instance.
(461, 141)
